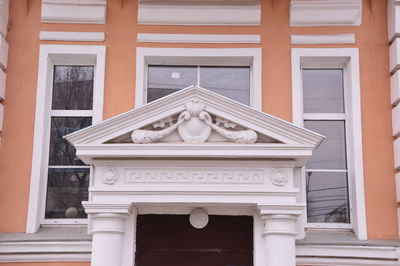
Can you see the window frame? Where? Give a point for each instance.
(251, 57)
(49, 56)
(348, 60)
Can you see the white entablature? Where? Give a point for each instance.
(194, 123)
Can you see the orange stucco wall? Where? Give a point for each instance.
(121, 29)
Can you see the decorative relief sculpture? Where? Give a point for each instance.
(279, 177)
(110, 176)
(194, 126)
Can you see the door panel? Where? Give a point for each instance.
(170, 240)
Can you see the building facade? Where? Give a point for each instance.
(201, 132)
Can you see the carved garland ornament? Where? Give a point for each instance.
(194, 126)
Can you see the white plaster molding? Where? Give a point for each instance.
(194, 125)
(3, 53)
(324, 39)
(214, 12)
(325, 13)
(395, 88)
(393, 11)
(396, 144)
(70, 251)
(398, 187)
(74, 11)
(396, 121)
(198, 38)
(1, 116)
(72, 36)
(394, 55)
(4, 17)
(2, 85)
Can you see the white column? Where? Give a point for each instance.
(107, 224)
(280, 232)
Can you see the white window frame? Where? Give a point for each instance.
(348, 60)
(49, 56)
(251, 57)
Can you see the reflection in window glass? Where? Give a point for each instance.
(66, 189)
(323, 91)
(331, 153)
(73, 88)
(164, 80)
(67, 176)
(231, 82)
(327, 197)
(61, 152)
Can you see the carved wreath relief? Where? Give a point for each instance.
(279, 177)
(194, 126)
(110, 176)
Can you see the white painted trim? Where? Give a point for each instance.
(324, 39)
(1, 116)
(394, 55)
(198, 38)
(316, 116)
(49, 56)
(325, 13)
(3, 77)
(3, 53)
(72, 36)
(395, 87)
(197, 12)
(4, 10)
(64, 251)
(75, 11)
(200, 56)
(71, 113)
(398, 187)
(393, 12)
(348, 58)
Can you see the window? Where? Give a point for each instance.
(71, 110)
(232, 82)
(326, 173)
(234, 73)
(326, 99)
(69, 97)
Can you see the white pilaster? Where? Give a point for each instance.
(280, 232)
(107, 224)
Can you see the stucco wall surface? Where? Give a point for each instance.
(121, 29)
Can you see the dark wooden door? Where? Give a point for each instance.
(170, 240)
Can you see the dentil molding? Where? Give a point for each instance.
(325, 13)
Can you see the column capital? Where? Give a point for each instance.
(107, 217)
(280, 219)
(286, 209)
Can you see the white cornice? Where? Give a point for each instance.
(198, 38)
(325, 13)
(324, 39)
(74, 11)
(198, 12)
(72, 36)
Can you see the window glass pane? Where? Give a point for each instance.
(323, 90)
(66, 189)
(61, 152)
(164, 80)
(231, 82)
(73, 88)
(327, 198)
(331, 153)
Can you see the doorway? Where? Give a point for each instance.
(170, 240)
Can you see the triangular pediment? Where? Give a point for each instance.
(194, 115)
